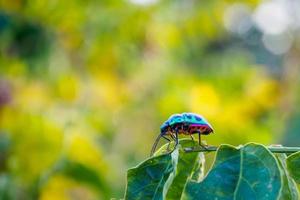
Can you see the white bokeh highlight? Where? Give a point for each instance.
(272, 17)
(143, 2)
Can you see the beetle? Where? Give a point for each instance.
(186, 124)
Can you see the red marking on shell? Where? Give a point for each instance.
(203, 129)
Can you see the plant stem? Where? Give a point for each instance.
(274, 149)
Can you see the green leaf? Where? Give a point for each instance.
(221, 181)
(289, 190)
(152, 178)
(293, 165)
(189, 164)
(250, 172)
(260, 176)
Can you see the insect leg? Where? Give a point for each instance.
(192, 137)
(165, 137)
(176, 139)
(200, 144)
(155, 144)
(173, 137)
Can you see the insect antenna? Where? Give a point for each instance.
(155, 144)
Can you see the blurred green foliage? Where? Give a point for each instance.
(88, 83)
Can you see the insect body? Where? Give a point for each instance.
(186, 124)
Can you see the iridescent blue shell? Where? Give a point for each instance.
(186, 118)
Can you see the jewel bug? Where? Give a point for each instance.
(186, 124)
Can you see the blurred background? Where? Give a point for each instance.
(85, 85)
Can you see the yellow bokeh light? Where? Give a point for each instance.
(63, 188)
(82, 149)
(203, 99)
